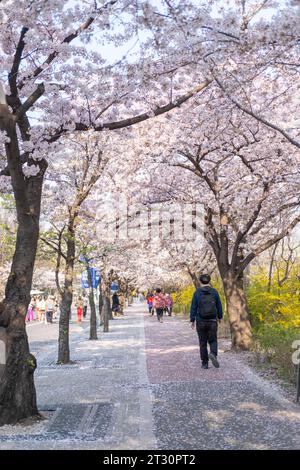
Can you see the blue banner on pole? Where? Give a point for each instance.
(96, 278)
(84, 280)
(114, 286)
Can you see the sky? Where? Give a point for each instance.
(112, 53)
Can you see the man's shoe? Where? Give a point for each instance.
(214, 359)
(204, 366)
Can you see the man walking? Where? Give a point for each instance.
(206, 310)
(49, 310)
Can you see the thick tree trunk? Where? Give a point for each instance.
(238, 313)
(64, 325)
(17, 390)
(93, 319)
(66, 299)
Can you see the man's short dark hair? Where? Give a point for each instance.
(205, 278)
(158, 290)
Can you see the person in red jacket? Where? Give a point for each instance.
(150, 303)
(79, 309)
(159, 304)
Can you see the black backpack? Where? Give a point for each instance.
(207, 309)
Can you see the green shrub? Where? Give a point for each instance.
(274, 342)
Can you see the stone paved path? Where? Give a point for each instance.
(225, 408)
(140, 387)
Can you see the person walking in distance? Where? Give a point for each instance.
(85, 306)
(43, 309)
(33, 307)
(206, 311)
(159, 304)
(150, 303)
(115, 303)
(169, 304)
(38, 309)
(79, 306)
(49, 310)
(30, 313)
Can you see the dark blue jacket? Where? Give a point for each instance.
(194, 313)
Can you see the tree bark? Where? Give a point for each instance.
(238, 313)
(232, 278)
(93, 319)
(67, 297)
(100, 304)
(271, 267)
(106, 313)
(194, 278)
(106, 310)
(108, 303)
(17, 390)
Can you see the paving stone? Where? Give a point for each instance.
(141, 387)
(77, 420)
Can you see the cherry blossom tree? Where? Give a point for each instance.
(54, 82)
(51, 84)
(72, 178)
(250, 49)
(246, 177)
(195, 260)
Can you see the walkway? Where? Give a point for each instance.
(140, 387)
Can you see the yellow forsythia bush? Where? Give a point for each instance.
(280, 305)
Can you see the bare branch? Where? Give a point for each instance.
(136, 119)
(267, 245)
(257, 117)
(39, 91)
(249, 224)
(66, 40)
(12, 77)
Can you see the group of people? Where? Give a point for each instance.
(118, 305)
(205, 314)
(160, 302)
(45, 308)
(42, 309)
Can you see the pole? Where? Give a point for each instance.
(298, 383)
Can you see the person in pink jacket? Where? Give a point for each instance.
(159, 304)
(169, 304)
